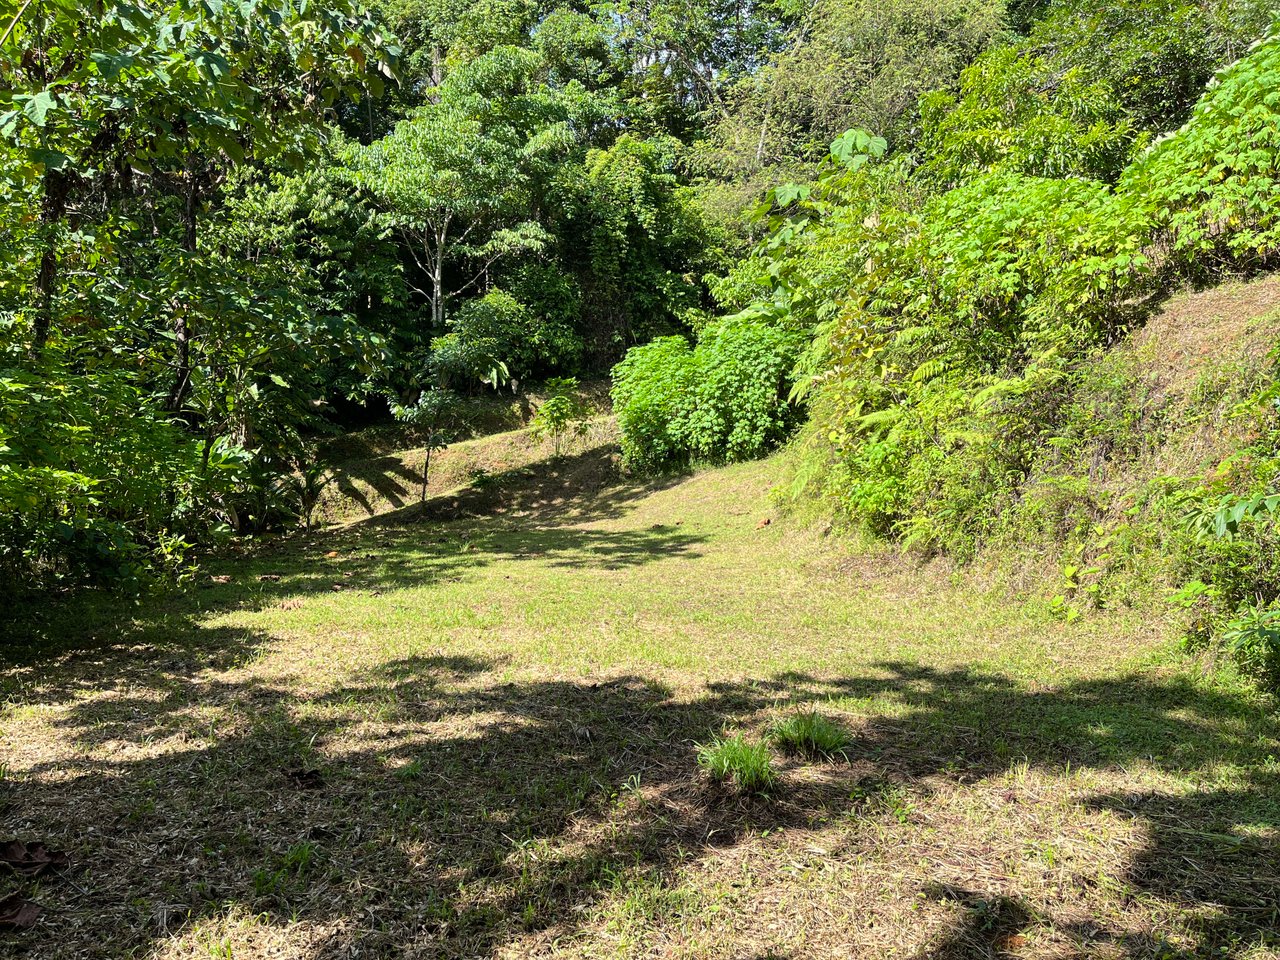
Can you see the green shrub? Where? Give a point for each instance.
(724, 400)
(498, 329)
(1213, 188)
(95, 482)
(1021, 113)
(810, 734)
(739, 407)
(732, 759)
(651, 387)
(562, 415)
(1252, 638)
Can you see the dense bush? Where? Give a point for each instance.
(651, 387)
(724, 400)
(498, 329)
(961, 312)
(1213, 189)
(93, 485)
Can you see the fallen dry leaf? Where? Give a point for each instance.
(332, 554)
(763, 523)
(31, 859)
(17, 913)
(269, 577)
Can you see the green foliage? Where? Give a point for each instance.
(496, 329)
(1155, 55)
(810, 734)
(308, 485)
(635, 240)
(1252, 638)
(1020, 113)
(562, 415)
(650, 389)
(723, 400)
(436, 415)
(747, 766)
(848, 63)
(1211, 189)
(738, 407)
(89, 490)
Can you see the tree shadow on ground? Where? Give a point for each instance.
(387, 476)
(429, 806)
(582, 487)
(455, 536)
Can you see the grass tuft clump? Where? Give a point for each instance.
(810, 734)
(747, 765)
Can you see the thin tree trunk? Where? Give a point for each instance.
(52, 208)
(181, 328)
(437, 279)
(426, 467)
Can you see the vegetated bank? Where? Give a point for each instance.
(980, 368)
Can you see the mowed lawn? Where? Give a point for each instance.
(475, 734)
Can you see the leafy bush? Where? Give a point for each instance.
(1213, 188)
(497, 331)
(739, 407)
(747, 765)
(1252, 638)
(93, 481)
(1021, 113)
(723, 400)
(651, 386)
(562, 415)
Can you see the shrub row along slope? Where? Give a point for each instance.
(960, 303)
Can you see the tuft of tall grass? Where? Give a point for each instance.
(747, 765)
(810, 734)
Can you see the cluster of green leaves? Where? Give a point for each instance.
(158, 359)
(562, 415)
(723, 400)
(1211, 189)
(88, 487)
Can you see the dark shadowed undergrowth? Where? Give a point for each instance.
(475, 734)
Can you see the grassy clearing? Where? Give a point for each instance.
(473, 733)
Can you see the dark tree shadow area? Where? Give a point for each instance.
(535, 515)
(430, 809)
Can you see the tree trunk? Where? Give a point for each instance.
(426, 468)
(181, 329)
(53, 206)
(437, 278)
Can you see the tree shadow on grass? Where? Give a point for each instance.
(429, 806)
(387, 476)
(403, 550)
(581, 487)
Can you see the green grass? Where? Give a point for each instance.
(473, 733)
(747, 766)
(810, 734)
